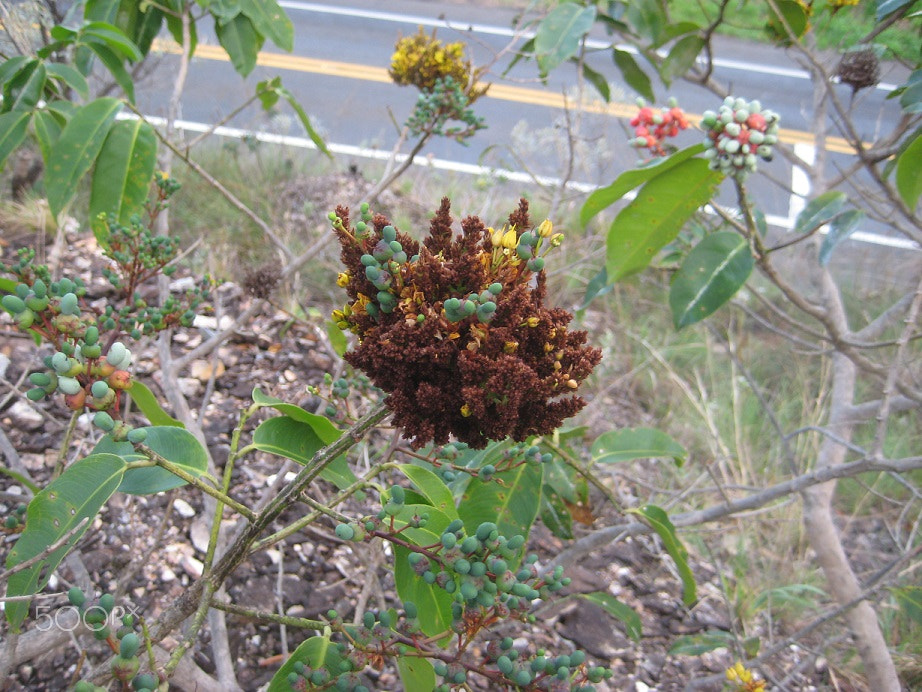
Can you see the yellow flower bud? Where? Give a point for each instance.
(466, 411)
(546, 229)
(510, 239)
(342, 280)
(510, 347)
(533, 321)
(556, 239)
(496, 236)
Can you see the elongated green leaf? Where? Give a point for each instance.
(681, 58)
(713, 272)
(115, 66)
(840, 228)
(140, 23)
(599, 81)
(77, 494)
(888, 7)
(24, 91)
(416, 673)
(223, 10)
(618, 610)
(173, 444)
(819, 210)
(616, 446)
(697, 644)
(242, 42)
(633, 75)
(802, 597)
(910, 601)
(299, 441)
(659, 521)
(305, 121)
(113, 38)
(911, 94)
(70, 76)
(598, 285)
(604, 197)
(433, 603)
(432, 488)
(512, 506)
(316, 652)
(122, 176)
(148, 405)
(13, 128)
(324, 429)
(271, 21)
(175, 26)
(909, 173)
(559, 34)
(10, 68)
(337, 338)
(656, 215)
(76, 150)
(555, 515)
(646, 18)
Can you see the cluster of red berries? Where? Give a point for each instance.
(652, 126)
(738, 134)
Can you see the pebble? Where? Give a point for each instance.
(191, 566)
(24, 416)
(4, 364)
(183, 508)
(167, 574)
(200, 535)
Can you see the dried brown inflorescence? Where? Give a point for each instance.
(455, 330)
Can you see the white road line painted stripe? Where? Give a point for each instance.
(489, 29)
(467, 169)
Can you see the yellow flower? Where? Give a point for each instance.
(510, 239)
(342, 280)
(546, 229)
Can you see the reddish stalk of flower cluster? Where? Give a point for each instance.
(456, 331)
(652, 126)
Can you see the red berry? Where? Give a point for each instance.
(756, 122)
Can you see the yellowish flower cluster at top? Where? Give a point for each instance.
(742, 679)
(422, 60)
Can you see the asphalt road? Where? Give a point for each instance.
(338, 72)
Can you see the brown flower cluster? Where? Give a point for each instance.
(456, 331)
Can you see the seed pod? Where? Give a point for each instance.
(69, 304)
(14, 304)
(69, 385)
(129, 645)
(77, 401)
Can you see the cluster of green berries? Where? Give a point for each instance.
(382, 266)
(566, 672)
(652, 126)
(449, 460)
(125, 642)
(482, 305)
(738, 134)
(58, 303)
(339, 390)
(447, 101)
(15, 520)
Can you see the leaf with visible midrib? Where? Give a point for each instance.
(316, 653)
(76, 149)
(77, 494)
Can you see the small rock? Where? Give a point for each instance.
(4, 364)
(187, 283)
(183, 508)
(167, 574)
(202, 370)
(200, 535)
(191, 566)
(189, 386)
(24, 416)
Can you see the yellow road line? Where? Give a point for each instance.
(503, 92)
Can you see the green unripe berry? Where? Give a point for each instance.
(14, 304)
(68, 385)
(129, 645)
(398, 494)
(440, 668)
(69, 304)
(449, 540)
(515, 542)
(103, 421)
(11, 522)
(461, 566)
(410, 609)
(107, 602)
(478, 569)
(76, 596)
(21, 508)
(454, 526)
(470, 545)
(577, 657)
(504, 664)
(345, 532)
(137, 435)
(522, 678)
(484, 530)
(99, 389)
(469, 590)
(145, 681)
(36, 394)
(84, 686)
(368, 619)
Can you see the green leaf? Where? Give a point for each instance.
(801, 597)
(888, 7)
(616, 446)
(604, 197)
(555, 515)
(911, 94)
(299, 441)
(113, 38)
(909, 599)
(646, 17)
(76, 150)
(77, 494)
(416, 673)
(681, 58)
(820, 210)
(434, 603)
(599, 81)
(222, 10)
(148, 405)
(242, 42)
(559, 34)
(337, 338)
(24, 91)
(324, 429)
(13, 128)
(432, 488)
(659, 521)
(122, 177)
(635, 77)
(305, 121)
(618, 610)
(840, 228)
(909, 173)
(656, 215)
(271, 21)
(114, 64)
(175, 26)
(173, 444)
(795, 16)
(12, 67)
(697, 644)
(512, 506)
(598, 285)
(715, 269)
(69, 76)
(316, 652)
